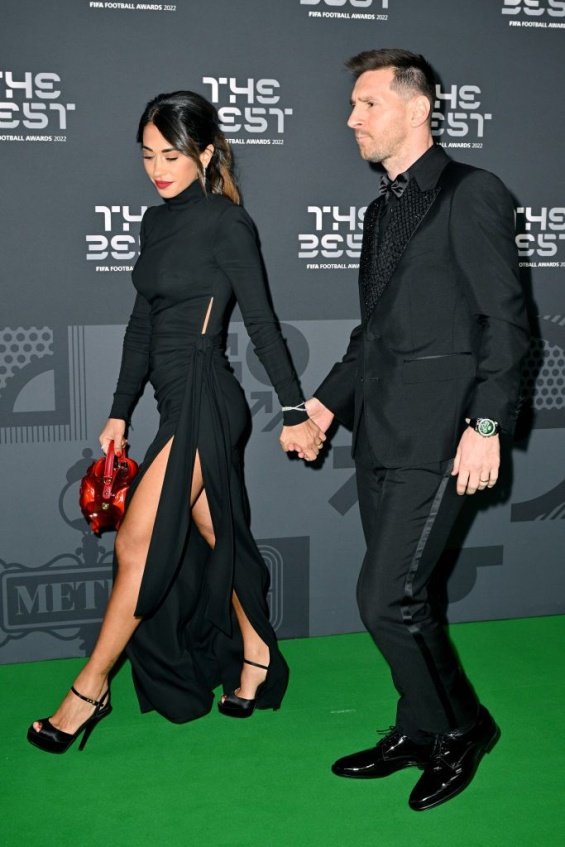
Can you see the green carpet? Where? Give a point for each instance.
(266, 782)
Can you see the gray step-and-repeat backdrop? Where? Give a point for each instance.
(74, 78)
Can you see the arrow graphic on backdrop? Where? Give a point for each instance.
(274, 422)
(548, 506)
(263, 400)
(346, 496)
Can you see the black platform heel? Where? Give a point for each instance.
(239, 707)
(54, 740)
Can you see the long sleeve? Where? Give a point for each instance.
(337, 391)
(238, 256)
(135, 361)
(483, 241)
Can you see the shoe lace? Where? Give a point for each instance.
(391, 730)
(440, 749)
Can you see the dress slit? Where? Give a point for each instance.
(189, 640)
(147, 465)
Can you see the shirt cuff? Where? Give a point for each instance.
(294, 416)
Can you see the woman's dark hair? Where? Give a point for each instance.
(412, 72)
(190, 123)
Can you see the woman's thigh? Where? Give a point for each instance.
(137, 527)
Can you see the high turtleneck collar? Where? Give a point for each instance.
(189, 195)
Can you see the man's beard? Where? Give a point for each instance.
(371, 153)
(373, 156)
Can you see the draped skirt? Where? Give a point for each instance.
(189, 641)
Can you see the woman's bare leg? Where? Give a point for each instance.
(254, 648)
(119, 624)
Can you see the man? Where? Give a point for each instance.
(429, 379)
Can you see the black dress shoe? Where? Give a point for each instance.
(453, 763)
(392, 753)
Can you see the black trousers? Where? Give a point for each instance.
(407, 515)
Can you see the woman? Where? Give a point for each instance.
(190, 605)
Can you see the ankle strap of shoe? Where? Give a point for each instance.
(87, 699)
(256, 665)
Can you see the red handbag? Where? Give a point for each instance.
(104, 488)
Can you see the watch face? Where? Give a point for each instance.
(486, 427)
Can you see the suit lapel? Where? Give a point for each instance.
(379, 260)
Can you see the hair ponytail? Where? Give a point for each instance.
(219, 174)
(191, 124)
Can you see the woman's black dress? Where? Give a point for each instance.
(196, 247)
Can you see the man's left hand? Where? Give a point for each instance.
(476, 462)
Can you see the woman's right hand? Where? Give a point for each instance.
(115, 430)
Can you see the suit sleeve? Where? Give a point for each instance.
(482, 236)
(134, 367)
(237, 254)
(337, 391)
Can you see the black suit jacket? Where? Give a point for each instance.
(444, 326)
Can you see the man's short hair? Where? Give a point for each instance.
(412, 73)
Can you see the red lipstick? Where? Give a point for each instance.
(161, 184)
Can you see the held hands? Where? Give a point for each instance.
(115, 431)
(305, 438)
(476, 462)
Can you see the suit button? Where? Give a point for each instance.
(370, 336)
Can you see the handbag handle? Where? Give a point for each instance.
(109, 472)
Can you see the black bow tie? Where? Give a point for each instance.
(388, 186)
